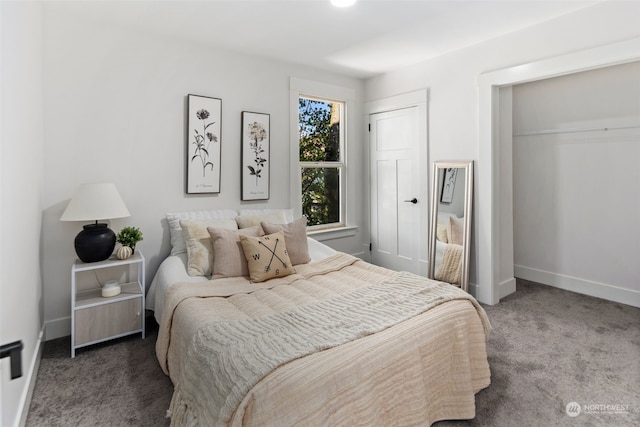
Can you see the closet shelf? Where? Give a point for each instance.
(573, 130)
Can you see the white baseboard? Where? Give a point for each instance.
(32, 374)
(507, 287)
(581, 286)
(366, 252)
(473, 290)
(57, 328)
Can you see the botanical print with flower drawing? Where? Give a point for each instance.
(203, 144)
(255, 156)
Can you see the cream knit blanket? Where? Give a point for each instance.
(450, 269)
(228, 358)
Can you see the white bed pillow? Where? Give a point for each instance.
(319, 251)
(178, 245)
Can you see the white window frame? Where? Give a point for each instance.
(336, 164)
(322, 92)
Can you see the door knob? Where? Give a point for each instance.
(414, 201)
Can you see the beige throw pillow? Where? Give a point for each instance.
(266, 256)
(455, 230)
(276, 217)
(229, 260)
(295, 237)
(198, 243)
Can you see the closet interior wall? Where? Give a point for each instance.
(576, 182)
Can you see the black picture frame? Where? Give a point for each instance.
(448, 185)
(204, 141)
(255, 157)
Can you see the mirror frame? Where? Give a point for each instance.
(467, 165)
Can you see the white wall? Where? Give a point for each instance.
(115, 103)
(577, 194)
(21, 189)
(452, 80)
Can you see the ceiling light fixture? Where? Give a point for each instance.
(343, 3)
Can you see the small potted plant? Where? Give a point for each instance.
(128, 237)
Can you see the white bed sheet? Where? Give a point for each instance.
(174, 270)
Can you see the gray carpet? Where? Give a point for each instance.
(548, 348)
(116, 383)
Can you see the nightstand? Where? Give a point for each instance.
(95, 318)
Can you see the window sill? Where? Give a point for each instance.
(333, 233)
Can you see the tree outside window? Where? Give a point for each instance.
(321, 160)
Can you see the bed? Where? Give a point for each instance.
(337, 341)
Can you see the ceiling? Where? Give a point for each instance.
(369, 38)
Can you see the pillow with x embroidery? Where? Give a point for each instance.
(266, 256)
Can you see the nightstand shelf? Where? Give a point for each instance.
(95, 318)
(94, 297)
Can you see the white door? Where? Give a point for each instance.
(395, 190)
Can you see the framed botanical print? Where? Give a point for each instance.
(255, 155)
(448, 185)
(203, 144)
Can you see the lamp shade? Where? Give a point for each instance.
(95, 201)
(91, 203)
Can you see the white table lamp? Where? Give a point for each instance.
(93, 202)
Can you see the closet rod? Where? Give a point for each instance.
(571, 130)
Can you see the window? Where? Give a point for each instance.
(321, 160)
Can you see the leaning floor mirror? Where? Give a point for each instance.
(450, 227)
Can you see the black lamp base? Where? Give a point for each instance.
(95, 243)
